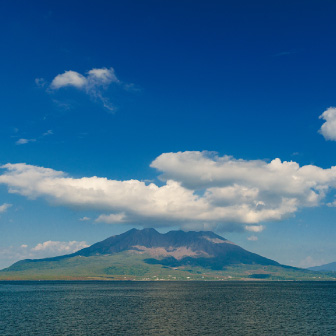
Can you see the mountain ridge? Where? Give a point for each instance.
(330, 267)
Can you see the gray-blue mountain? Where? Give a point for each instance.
(327, 267)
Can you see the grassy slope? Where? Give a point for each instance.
(127, 266)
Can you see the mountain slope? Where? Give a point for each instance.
(327, 267)
(149, 255)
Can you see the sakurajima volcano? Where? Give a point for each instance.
(149, 255)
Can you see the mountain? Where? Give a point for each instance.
(149, 255)
(175, 248)
(327, 267)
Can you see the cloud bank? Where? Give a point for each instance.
(92, 83)
(57, 247)
(201, 188)
(328, 129)
(42, 250)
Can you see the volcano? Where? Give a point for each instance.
(149, 255)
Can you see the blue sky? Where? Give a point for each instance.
(191, 100)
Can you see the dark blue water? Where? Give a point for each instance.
(167, 308)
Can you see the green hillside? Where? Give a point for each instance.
(130, 266)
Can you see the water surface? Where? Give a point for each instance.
(167, 308)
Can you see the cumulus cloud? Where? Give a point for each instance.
(248, 181)
(41, 250)
(58, 247)
(332, 204)
(92, 83)
(328, 129)
(198, 187)
(252, 238)
(4, 207)
(112, 218)
(254, 228)
(69, 78)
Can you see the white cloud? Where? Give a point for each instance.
(58, 247)
(252, 238)
(24, 141)
(332, 204)
(83, 219)
(200, 189)
(328, 129)
(93, 82)
(49, 132)
(42, 250)
(40, 82)
(112, 218)
(69, 78)
(254, 228)
(248, 180)
(4, 207)
(99, 77)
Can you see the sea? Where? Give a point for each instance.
(167, 308)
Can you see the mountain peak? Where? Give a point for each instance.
(202, 248)
(149, 230)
